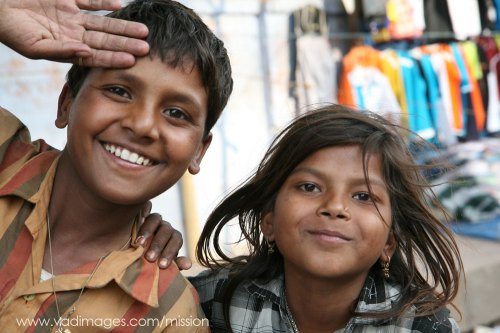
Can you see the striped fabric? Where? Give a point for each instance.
(126, 293)
(260, 307)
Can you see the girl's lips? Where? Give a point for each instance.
(329, 235)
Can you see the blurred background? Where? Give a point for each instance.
(432, 65)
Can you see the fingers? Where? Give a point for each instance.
(59, 51)
(99, 4)
(171, 250)
(108, 59)
(146, 209)
(114, 26)
(183, 263)
(166, 241)
(105, 41)
(148, 228)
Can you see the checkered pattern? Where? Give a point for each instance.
(259, 308)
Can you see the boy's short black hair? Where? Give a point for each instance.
(180, 38)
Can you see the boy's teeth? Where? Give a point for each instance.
(126, 155)
(133, 157)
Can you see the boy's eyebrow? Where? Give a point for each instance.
(354, 181)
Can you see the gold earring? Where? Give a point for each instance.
(385, 267)
(270, 247)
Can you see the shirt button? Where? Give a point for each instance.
(28, 298)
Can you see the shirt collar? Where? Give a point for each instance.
(135, 275)
(377, 295)
(271, 291)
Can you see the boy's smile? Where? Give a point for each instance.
(127, 155)
(132, 133)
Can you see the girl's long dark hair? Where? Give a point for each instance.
(426, 263)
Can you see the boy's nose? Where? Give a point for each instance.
(141, 121)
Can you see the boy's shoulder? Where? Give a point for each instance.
(162, 291)
(23, 163)
(146, 282)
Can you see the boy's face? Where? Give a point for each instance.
(132, 133)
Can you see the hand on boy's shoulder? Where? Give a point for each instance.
(58, 30)
(161, 241)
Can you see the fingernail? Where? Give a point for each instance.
(163, 262)
(150, 255)
(140, 240)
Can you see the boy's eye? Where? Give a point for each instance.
(363, 196)
(118, 91)
(176, 113)
(309, 187)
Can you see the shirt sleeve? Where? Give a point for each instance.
(208, 283)
(15, 144)
(440, 322)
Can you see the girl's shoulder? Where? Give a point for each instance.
(210, 277)
(211, 282)
(378, 295)
(439, 322)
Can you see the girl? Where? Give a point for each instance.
(340, 234)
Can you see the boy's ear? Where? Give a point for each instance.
(267, 226)
(194, 165)
(389, 248)
(63, 107)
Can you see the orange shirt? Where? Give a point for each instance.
(364, 56)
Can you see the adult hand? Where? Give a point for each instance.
(58, 30)
(166, 241)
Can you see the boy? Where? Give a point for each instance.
(68, 218)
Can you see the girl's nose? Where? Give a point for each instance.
(334, 208)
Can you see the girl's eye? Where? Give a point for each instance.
(119, 91)
(176, 113)
(309, 187)
(363, 196)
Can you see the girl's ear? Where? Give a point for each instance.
(63, 107)
(267, 226)
(389, 248)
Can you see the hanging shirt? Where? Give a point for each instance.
(435, 103)
(493, 117)
(475, 73)
(406, 18)
(465, 11)
(391, 68)
(419, 117)
(454, 81)
(363, 84)
(316, 70)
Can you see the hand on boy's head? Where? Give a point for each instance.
(166, 242)
(58, 30)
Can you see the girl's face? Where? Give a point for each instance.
(325, 222)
